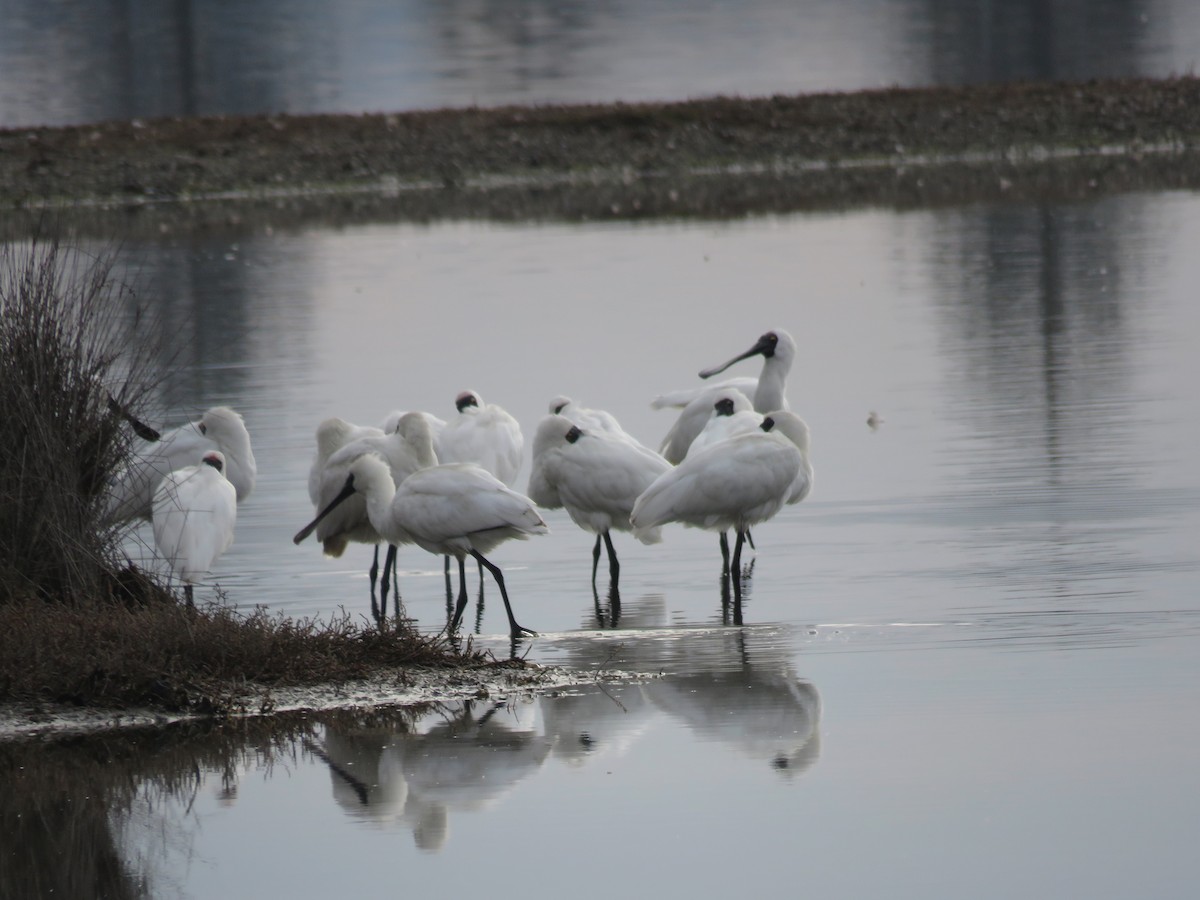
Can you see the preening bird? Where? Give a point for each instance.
(696, 416)
(596, 477)
(220, 429)
(591, 420)
(194, 510)
(731, 416)
(484, 434)
(733, 484)
(457, 509)
(404, 451)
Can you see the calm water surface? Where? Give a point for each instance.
(969, 661)
(69, 61)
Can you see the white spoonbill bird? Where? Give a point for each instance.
(695, 418)
(332, 435)
(392, 419)
(730, 417)
(457, 509)
(194, 510)
(681, 398)
(591, 420)
(727, 420)
(778, 351)
(484, 434)
(403, 451)
(596, 477)
(220, 428)
(735, 483)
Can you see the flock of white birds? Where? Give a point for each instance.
(734, 457)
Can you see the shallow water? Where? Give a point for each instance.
(967, 663)
(73, 61)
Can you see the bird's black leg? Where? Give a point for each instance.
(614, 604)
(516, 630)
(614, 567)
(187, 593)
(595, 559)
(374, 573)
(462, 594)
(750, 540)
(389, 572)
(724, 552)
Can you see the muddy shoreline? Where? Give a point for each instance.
(717, 157)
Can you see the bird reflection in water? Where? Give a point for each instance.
(461, 757)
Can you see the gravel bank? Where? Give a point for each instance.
(714, 157)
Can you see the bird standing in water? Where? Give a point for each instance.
(194, 511)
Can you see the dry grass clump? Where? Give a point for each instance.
(169, 656)
(62, 356)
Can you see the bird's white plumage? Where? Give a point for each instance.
(596, 477)
(194, 510)
(590, 420)
(736, 483)
(695, 416)
(404, 451)
(483, 434)
(392, 420)
(721, 427)
(455, 508)
(333, 434)
(220, 429)
(681, 398)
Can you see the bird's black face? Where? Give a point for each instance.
(203, 428)
(466, 400)
(558, 409)
(573, 435)
(724, 407)
(766, 344)
(214, 462)
(767, 423)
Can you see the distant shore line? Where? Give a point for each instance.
(713, 157)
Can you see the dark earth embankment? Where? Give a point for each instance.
(715, 157)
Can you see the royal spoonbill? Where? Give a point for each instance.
(731, 416)
(778, 350)
(404, 451)
(736, 483)
(695, 417)
(681, 398)
(484, 434)
(591, 420)
(193, 513)
(596, 477)
(220, 428)
(456, 509)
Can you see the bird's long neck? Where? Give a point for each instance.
(379, 496)
(770, 394)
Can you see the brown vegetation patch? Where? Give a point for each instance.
(210, 660)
